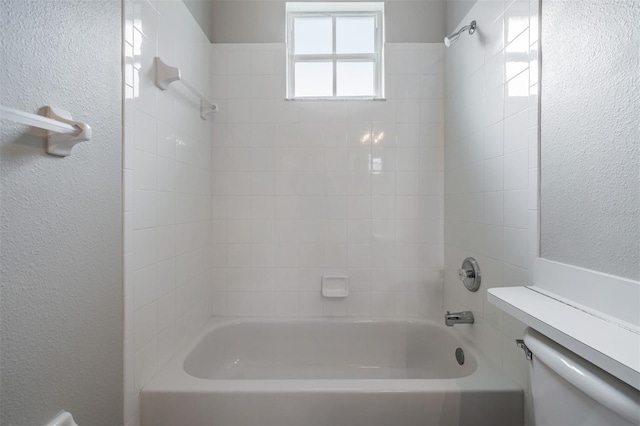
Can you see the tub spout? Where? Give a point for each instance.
(465, 317)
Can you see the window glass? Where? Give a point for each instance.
(335, 50)
(355, 34)
(356, 78)
(313, 35)
(313, 79)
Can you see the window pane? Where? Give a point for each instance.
(313, 35)
(313, 79)
(355, 35)
(356, 79)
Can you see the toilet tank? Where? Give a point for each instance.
(568, 390)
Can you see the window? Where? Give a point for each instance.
(334, 50)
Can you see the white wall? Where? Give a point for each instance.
(295, 196)
(61, 218)
(167, 202)
(456, 14)
(263, 21)
(201, 12)
(491, 169)
(590, 149)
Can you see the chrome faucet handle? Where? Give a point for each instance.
(465, 273)
(470, 274)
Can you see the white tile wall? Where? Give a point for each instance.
(306, 188)
(167, 192)
(491, 195)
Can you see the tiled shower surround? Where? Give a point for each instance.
(491, 178)
(307, 188)
(167, 194)
(245, 214)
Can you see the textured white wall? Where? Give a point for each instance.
(263, 21)
(61, 218)
(167, 203)
(491, 160)
(590, 146)
(301, 189)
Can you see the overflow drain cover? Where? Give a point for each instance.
(460, 356)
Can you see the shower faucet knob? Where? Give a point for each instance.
(470, 274)
(465, 273)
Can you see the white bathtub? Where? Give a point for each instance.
(329, 372)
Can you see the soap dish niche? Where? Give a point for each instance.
(335, 286)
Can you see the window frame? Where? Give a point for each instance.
(376, 57)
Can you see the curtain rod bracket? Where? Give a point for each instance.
(166, 74)
(61, 144)
(60, 130)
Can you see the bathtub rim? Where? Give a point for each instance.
(172, 377)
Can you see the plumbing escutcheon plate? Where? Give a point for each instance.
(470, 274)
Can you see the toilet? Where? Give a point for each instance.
(568, 390)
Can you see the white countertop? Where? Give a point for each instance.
(612, 345)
